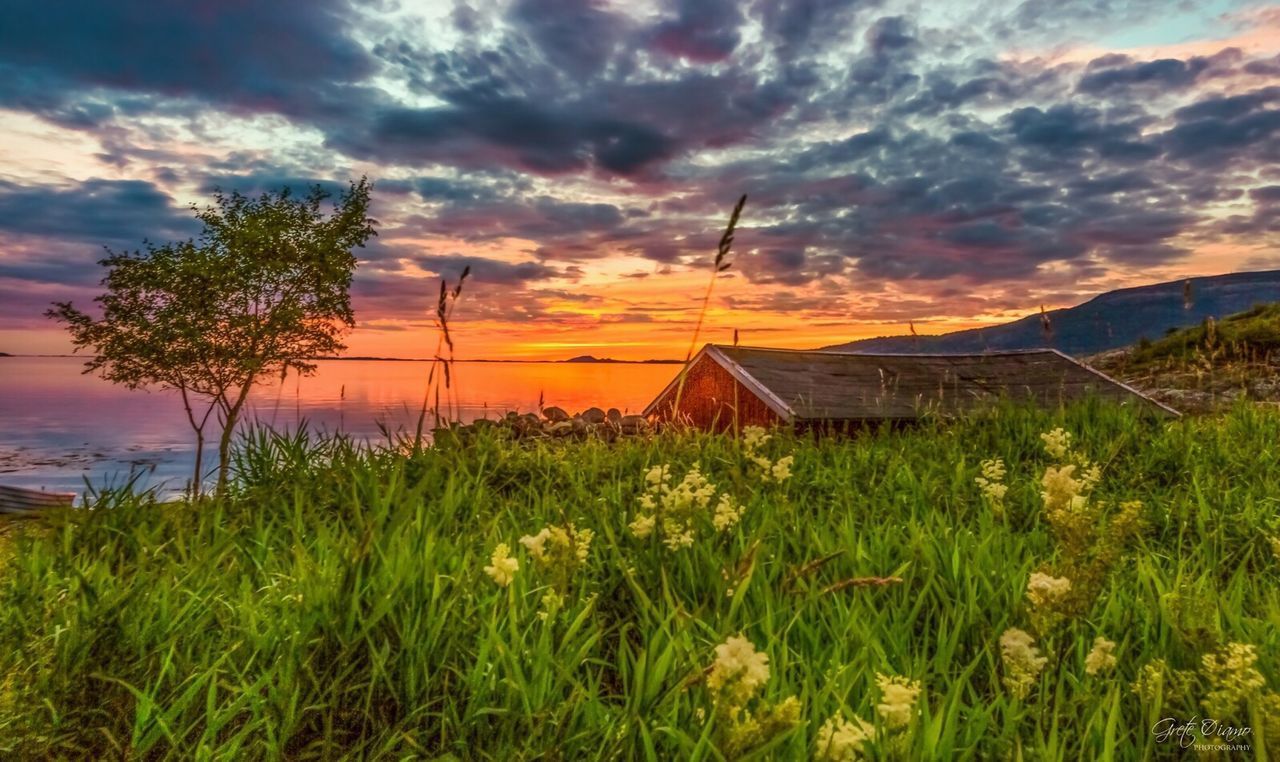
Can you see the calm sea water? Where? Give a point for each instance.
(59, 427)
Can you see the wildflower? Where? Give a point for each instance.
(1045, 591)
(1057, 443)
(676, 536)
(567, 542)
(643, 526)
(1022, 661)
(991, 482)
(754, 437)
(681, 509)
(1275, 547)
(658, 475)
(898, 697)
(1151, 680)
(739, 670)
(502, 566)
(1101, 658)
(536, 544)
(1090, 475)
(1232, 676)
(727, 514)
(841, 740)
(551, 603)
(1061, 490)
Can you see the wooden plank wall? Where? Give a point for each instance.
(709, 399)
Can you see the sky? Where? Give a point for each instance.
(942, 164)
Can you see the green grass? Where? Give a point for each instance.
(336, 605)
(1252, 336)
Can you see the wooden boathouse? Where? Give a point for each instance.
(819, 389)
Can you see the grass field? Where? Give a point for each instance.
(348, 602)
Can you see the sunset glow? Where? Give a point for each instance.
(947, 167)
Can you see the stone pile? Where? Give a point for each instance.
(554, 423)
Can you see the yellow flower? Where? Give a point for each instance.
(727, 514)
(1062, 490)
(1101, 658)
(753, 437)
(675, 535)
(781, 470)
(657, 476)
(560, 542)
(991, 482)
(502, 566)
(643, 525)
(1232, 677)
(1057, 443)
(1022, 661)
(1043, 589)
(537, 544)
(841, 740)
(1090, 475)
(1151, 681)
(1275, 547)
(738, 663)
(898, 697)
(551, 603)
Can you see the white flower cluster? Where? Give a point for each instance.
(1022, 661)
(991, 482)
(753, 439)
(1044, 590)
(843, 740)
(679, 509)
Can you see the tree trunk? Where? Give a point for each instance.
(196, 477)
(230, 417)
(224, 448)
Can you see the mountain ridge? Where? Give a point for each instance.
(1107, 321)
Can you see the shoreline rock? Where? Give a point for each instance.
(554, 423)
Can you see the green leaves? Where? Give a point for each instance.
(264, 290)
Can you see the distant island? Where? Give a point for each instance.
(578, 359)
(5, 354)
(591, 358)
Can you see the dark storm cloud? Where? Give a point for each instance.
(117, 213)
(701, 30)
(789, 267)
(486, 132)
(1219, 131)
(576, 36)
(290, 56)
(799, 25)
(1114, 72)
(1067, 128)
(494, 272)
(256, 184)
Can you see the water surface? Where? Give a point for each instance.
(59, 427)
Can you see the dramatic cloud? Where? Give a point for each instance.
(580, 155)
(81, 62)
(109, 212)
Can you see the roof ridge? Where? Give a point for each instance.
(989, 353)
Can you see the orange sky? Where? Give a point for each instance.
(906, 164)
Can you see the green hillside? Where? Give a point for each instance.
(1250, 337)
(1206, 366)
